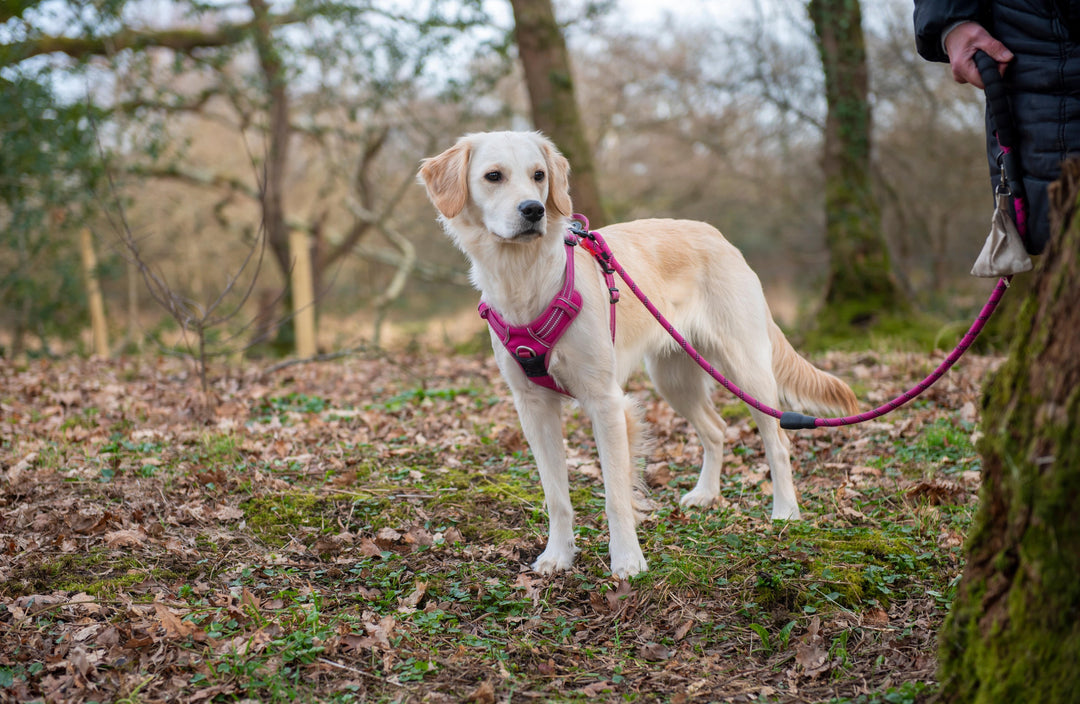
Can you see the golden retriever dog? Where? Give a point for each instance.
(503, 197)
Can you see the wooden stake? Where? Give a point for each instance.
(99, 330)
(303, 294)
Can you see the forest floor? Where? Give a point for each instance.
(362, 530)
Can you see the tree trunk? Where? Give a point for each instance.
(277, 157)
(1013, 633)
(861, 285)
(551, 93)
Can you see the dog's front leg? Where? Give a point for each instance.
(540, 413)
(608, 415)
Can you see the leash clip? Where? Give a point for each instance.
(1003, 188)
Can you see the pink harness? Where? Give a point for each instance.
(530, 345)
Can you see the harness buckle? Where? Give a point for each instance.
(614, 294)
(530, 363)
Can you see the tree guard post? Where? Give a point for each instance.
(99, 330)
(303, 294)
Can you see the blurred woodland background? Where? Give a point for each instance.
(194, 154)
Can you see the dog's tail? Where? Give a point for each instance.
(641, 443)
(804, 387)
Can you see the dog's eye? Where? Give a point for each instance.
(539, 176)
(493, 176)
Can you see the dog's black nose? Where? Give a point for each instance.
(531, 210)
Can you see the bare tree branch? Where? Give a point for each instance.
(182, 40)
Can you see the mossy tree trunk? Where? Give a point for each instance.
(861, 285)
(1014, 631)
(546, 63)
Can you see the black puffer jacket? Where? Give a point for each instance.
(1043, 83)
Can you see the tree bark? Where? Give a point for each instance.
(861, 285)
(546, 63)
(1014, 630)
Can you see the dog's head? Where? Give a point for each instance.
(513, 185)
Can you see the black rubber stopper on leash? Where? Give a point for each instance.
(790, 420)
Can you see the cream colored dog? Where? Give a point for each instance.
(503, 198)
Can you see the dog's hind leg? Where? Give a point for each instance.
(540, 413)
(685, 386)
(777, 454)
(752, 372)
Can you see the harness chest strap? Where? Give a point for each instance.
(530, 345)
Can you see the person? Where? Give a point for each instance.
(1037, 46)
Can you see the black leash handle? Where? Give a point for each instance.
(997, 98)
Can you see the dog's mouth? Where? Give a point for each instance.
(526, 235)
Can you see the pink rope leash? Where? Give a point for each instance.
(790, 420)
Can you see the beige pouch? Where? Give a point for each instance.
(1004, 253)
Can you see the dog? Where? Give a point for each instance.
(504, 200)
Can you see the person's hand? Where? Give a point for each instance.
(962, 43)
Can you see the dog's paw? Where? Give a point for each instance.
(626, 564)
(786, 513)
(698, 497)
(554, 560)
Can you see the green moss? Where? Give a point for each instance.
(734, 411)
(98, 573)
(846, 327)
(849, 568)
(276, 518)
(107, 586)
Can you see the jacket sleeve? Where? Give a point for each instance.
(932, 17)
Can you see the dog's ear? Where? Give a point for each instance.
(446, 178)
(559, 186)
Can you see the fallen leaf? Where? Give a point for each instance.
(876, 617)
(174, 626)
(620, 596)
(484, 694)
(658, 475)
(654, 652)
(357, 643)
(88, 523)
(419, 537)
(412, 600)
(249, 599)
(125, 538)
(368, 548)
(326, 545)
(228, 513)
(936, 492)
(596, 688)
